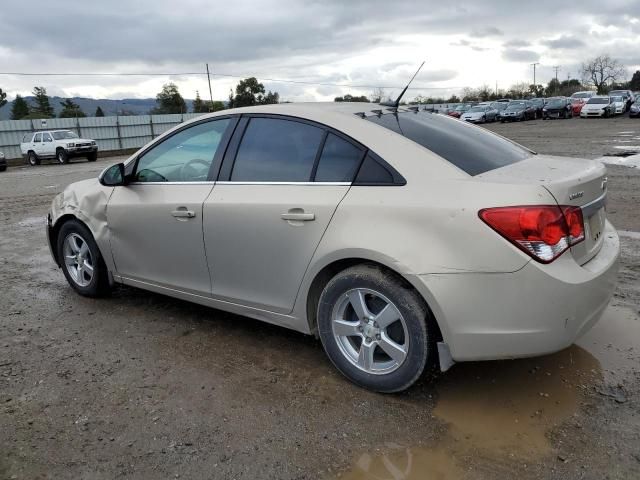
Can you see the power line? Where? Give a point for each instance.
(225, 75)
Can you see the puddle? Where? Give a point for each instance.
(503, 411)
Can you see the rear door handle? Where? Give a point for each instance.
(182, 212)
(298, 217)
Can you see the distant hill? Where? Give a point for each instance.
(126, 106)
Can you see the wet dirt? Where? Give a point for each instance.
(506, 409)
(143, 386)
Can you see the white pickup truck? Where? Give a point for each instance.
(59, 144)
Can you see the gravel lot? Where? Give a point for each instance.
(144, 386)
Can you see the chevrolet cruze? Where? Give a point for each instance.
(403, 239)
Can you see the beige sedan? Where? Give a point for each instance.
(404, 239)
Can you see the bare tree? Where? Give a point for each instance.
(377, 95)
(602, 70)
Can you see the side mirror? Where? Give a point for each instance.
(113, 176)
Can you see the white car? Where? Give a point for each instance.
(597, 106)
(619, 104)
(401, 238)
(59, 144)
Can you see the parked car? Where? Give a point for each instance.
(619, 104)
(500, 257)
(597, 106)
(500, 107)
(518, 110)
(3, 162)
(578, 99)
(634, 111)
(538, 104)
(559, 107)
(62, 145)
(459, 110)
(480, 114)
(628, 96)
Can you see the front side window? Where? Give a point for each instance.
(339, 160)
(276, 150)
(183, 157)
(46, 137)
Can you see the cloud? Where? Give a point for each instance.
(520, 55)
(564, 42)
(517, 43)
(486, 32)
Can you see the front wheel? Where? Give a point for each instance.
(92, 157)
(81, 261)
(376, 331)
(62, 156)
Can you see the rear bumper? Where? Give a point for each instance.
(536, 310)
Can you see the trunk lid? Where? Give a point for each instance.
(571, 181)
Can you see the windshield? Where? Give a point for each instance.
(499, 105)
(537, 101)
(618, 92)
(472, 149)
(581, 95)
(555, 103)
(63, 135)
(516, 104)
(599, 101)
(477, 109)
(616, 99)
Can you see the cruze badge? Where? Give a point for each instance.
(575, 195)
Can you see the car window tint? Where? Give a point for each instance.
(275, 150)
(339, 160)
(469, 148)
(38, 137)
(183, 157)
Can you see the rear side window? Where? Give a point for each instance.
(276, 150)
(339, 160)
(38, 137)
(472, 149)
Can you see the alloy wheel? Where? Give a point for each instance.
(370, 331)
(78, 260)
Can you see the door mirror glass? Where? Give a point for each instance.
(113, 176)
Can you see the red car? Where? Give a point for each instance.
(459, 110)
(578, 99)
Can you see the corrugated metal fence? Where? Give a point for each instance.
(110, 133)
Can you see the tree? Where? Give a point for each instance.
(601, 71)
(350, 98)
(536, 90)
(3, 98)
(169, 100)
(70, 109)
(634, 83)
(453, 99)
(518, 90)
(216, 105)
(251, 92)
(19, 109)
(42, 107)
(198, 105)
(99, 112)
(377, 96)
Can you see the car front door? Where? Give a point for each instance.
(155, 221)
(37, 145)
(48, 147)
(280, 184)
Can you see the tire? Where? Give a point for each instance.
(33, 159)
(62, 156)
(92, 157)
(3, 168)
(414, 330)
(86, 283)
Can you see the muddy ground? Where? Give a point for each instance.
(144, 386)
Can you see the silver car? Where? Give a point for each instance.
(480, 114)
(403, 239)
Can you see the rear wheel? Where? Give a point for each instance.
(33, 159)
(62, 156)
(376, 331)
(92, 157)
(81, 261)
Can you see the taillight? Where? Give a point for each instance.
(542, 231)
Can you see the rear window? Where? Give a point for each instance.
(469, 148)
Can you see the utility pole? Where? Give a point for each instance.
(496, 88)
(556, 68)
(534, 71)
(210, 93)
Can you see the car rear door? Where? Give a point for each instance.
(281, 182)
(37, 144)
(155, 221)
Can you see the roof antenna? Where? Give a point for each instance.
(396, 104)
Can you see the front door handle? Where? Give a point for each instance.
(298, 217)
(182, 212)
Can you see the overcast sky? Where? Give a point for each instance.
(355, 42)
